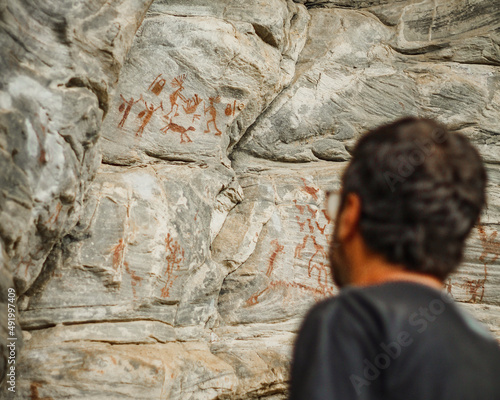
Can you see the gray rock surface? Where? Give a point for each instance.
(180, 266)
(59, 63)
(354, 79)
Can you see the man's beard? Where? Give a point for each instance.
(338, 261)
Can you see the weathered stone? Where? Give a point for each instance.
(352, 80)
(55, 93)
(144, 248)
(59, 62)
(192, 86)
(287, 269)
(102, 371)
(185, 270)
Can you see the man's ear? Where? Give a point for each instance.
(348, 219)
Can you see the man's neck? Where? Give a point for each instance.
(376, 271)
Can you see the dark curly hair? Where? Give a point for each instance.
(421, 188)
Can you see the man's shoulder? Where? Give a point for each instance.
(395, 296)
(390, 295)
(392, 307)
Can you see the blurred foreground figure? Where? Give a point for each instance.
(410, 196)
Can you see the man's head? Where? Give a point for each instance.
(410, 195)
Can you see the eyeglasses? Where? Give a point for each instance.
(332, 203)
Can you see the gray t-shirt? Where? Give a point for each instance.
(394, 341)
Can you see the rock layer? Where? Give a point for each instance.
(59, 63)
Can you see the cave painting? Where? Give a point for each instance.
(318, 293)
(185, 113)
(327, 217)
(213, 114)
(310, 190)
(318, 262)
(157, 85)
(118, 252)
(174, 257)
(278, 248)
(146, 115)
(191, 105)
(34, 394)
(231, 108)
(490, 246)
(135, 280)
(299, 207)
(125, 108)
(178, 84)
(310, 247)
(179, 129)
(475, 288)
(300, 247)
(321, 229)
(118, 262)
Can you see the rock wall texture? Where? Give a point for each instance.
(180, 266)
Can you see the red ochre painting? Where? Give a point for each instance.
(475, 288)
(180, 113)
(316, 260)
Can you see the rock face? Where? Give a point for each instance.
(59, 63)
(181, 266)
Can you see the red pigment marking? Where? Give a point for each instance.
(448, 285)
(177, 83)
(490, 247)
(27, 264)
(300, 247)
(192, 104)
(134, 279)
(278, 249)
(118, 254)
(157, 85)
(318, 247)
(301, 224)
(319, 265)
(311, 227)
(316, 292)
(312, 211)
(175, 256)
(146, 115)
(328, 219)
(322, 230)
(213, 114)
(125, 107)
(310, 190)
(34, 395)
(179, 129)
(300, 208)
(323, 272)
(42, 158)
(476, 287)
(231, 109)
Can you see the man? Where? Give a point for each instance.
(409, 198)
